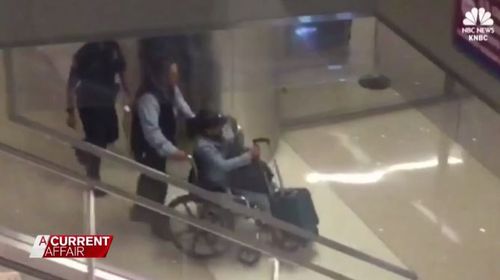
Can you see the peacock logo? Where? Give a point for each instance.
(478, 25)
(477, 16)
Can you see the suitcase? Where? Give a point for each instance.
(296, 207)
(292, 205)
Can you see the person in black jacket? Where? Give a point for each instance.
(92, 82)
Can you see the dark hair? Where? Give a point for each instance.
(206, 119)
(154, 64)
(151, 73)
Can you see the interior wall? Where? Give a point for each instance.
(429, 23)
(245, 60)
(26, 21)
(27, 140)
(329, 85)
(411, 73)
(462, 117)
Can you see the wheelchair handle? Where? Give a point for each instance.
(265, 140)
(193, 165)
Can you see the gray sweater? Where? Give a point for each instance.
(214, 167)
(149, 114)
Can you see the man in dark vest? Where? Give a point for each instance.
(154, 130)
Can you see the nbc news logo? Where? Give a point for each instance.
(478, 24)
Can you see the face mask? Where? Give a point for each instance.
(227, 133)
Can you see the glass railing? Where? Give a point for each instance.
(352, 248)
(35, 201)
(123, 174)
(8, 273)
(403, 169)
(203, 236)
(13, 275)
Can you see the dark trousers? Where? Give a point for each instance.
(100, 125)
(150, 188)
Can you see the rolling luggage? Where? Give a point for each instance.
(295, 206)
(292, 205)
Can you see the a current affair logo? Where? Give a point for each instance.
(71, 246)
(478, 25)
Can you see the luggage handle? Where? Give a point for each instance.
(265, 140)
(194, 167)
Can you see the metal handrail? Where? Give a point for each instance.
(37, 273)
(85, 183)
(207, 195)
(180, 183)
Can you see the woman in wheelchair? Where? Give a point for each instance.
(222, 164)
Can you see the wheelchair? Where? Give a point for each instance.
(200, 244)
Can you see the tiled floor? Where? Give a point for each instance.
(422, 194)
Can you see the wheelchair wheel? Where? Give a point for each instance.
(195, 242)
(287, 241)
(248, 257)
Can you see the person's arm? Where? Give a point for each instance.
(70, 95)
(80, 58)
(181, 104)
(149, 113)
(70, 87)
(121, 68)
(212, 155)
(124, 84)
(127, 96)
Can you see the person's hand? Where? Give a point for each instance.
(71, 120)
(128, 102)
(127, 109)
(255, 152)
(179, 155)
